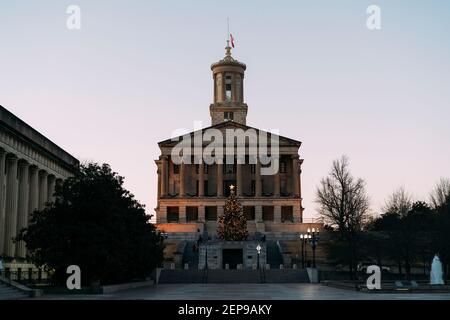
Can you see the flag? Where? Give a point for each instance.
(232, 40)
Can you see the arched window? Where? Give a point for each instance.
(228, 88)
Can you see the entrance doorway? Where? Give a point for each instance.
(233, 257)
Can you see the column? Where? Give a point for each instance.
(276, 185)
(299, 181)
(297, 212)
(33, 195)
(10, 205)
(219, 179)
(258, 186)
(22, 205)
(182, 214)
(220, 211)
(221, 87)
(33, 203)
(277, 214)
(164, 175)
(43, 189)
(239, 179)
(295, 176)
(51, 188)
(201, 179)
(158, 171)
(182, 172)
(201, 213)
(2, 199)
(219, 82)
(258, 213)
(162, 214)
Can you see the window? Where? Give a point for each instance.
(173, 214)
(210, 213)
(228, 116)
(228, 88)
(268, 213)
(253, 188)
(191, 214)
(249, 212)
(287, 214)
(205, 188)
(176, 169)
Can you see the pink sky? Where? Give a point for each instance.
(138, 70)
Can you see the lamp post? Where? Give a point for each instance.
(302, 240)
(206, 255)
(258, 251)
(313, 236)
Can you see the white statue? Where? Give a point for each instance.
(436, 271)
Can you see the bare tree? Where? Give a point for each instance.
(344, 205)
(440, 193)
(342, 199)
(399, 202)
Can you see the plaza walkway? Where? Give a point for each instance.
(252, 291)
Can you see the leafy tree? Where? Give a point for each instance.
(442, 240)
(344, 205)
(233, 224)
(96, 224)
(408, 235)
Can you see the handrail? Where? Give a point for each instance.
(313, 220)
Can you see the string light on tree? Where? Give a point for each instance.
(233, 224)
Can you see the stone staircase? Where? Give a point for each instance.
(10, 293)
(190, 256)
(274, 258)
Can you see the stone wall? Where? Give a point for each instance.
(211, 252)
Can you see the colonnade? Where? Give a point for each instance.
(24, 188)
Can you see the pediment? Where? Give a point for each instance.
(223, 127)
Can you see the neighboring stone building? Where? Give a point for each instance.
(30, 167)
(191, 196)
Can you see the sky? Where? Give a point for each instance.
(138, 70)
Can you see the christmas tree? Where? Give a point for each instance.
(232, 225)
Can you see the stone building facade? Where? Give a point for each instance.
(192, 194)
(30, 167)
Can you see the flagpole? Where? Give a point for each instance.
(228, 34)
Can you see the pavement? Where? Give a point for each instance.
(290, 291)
